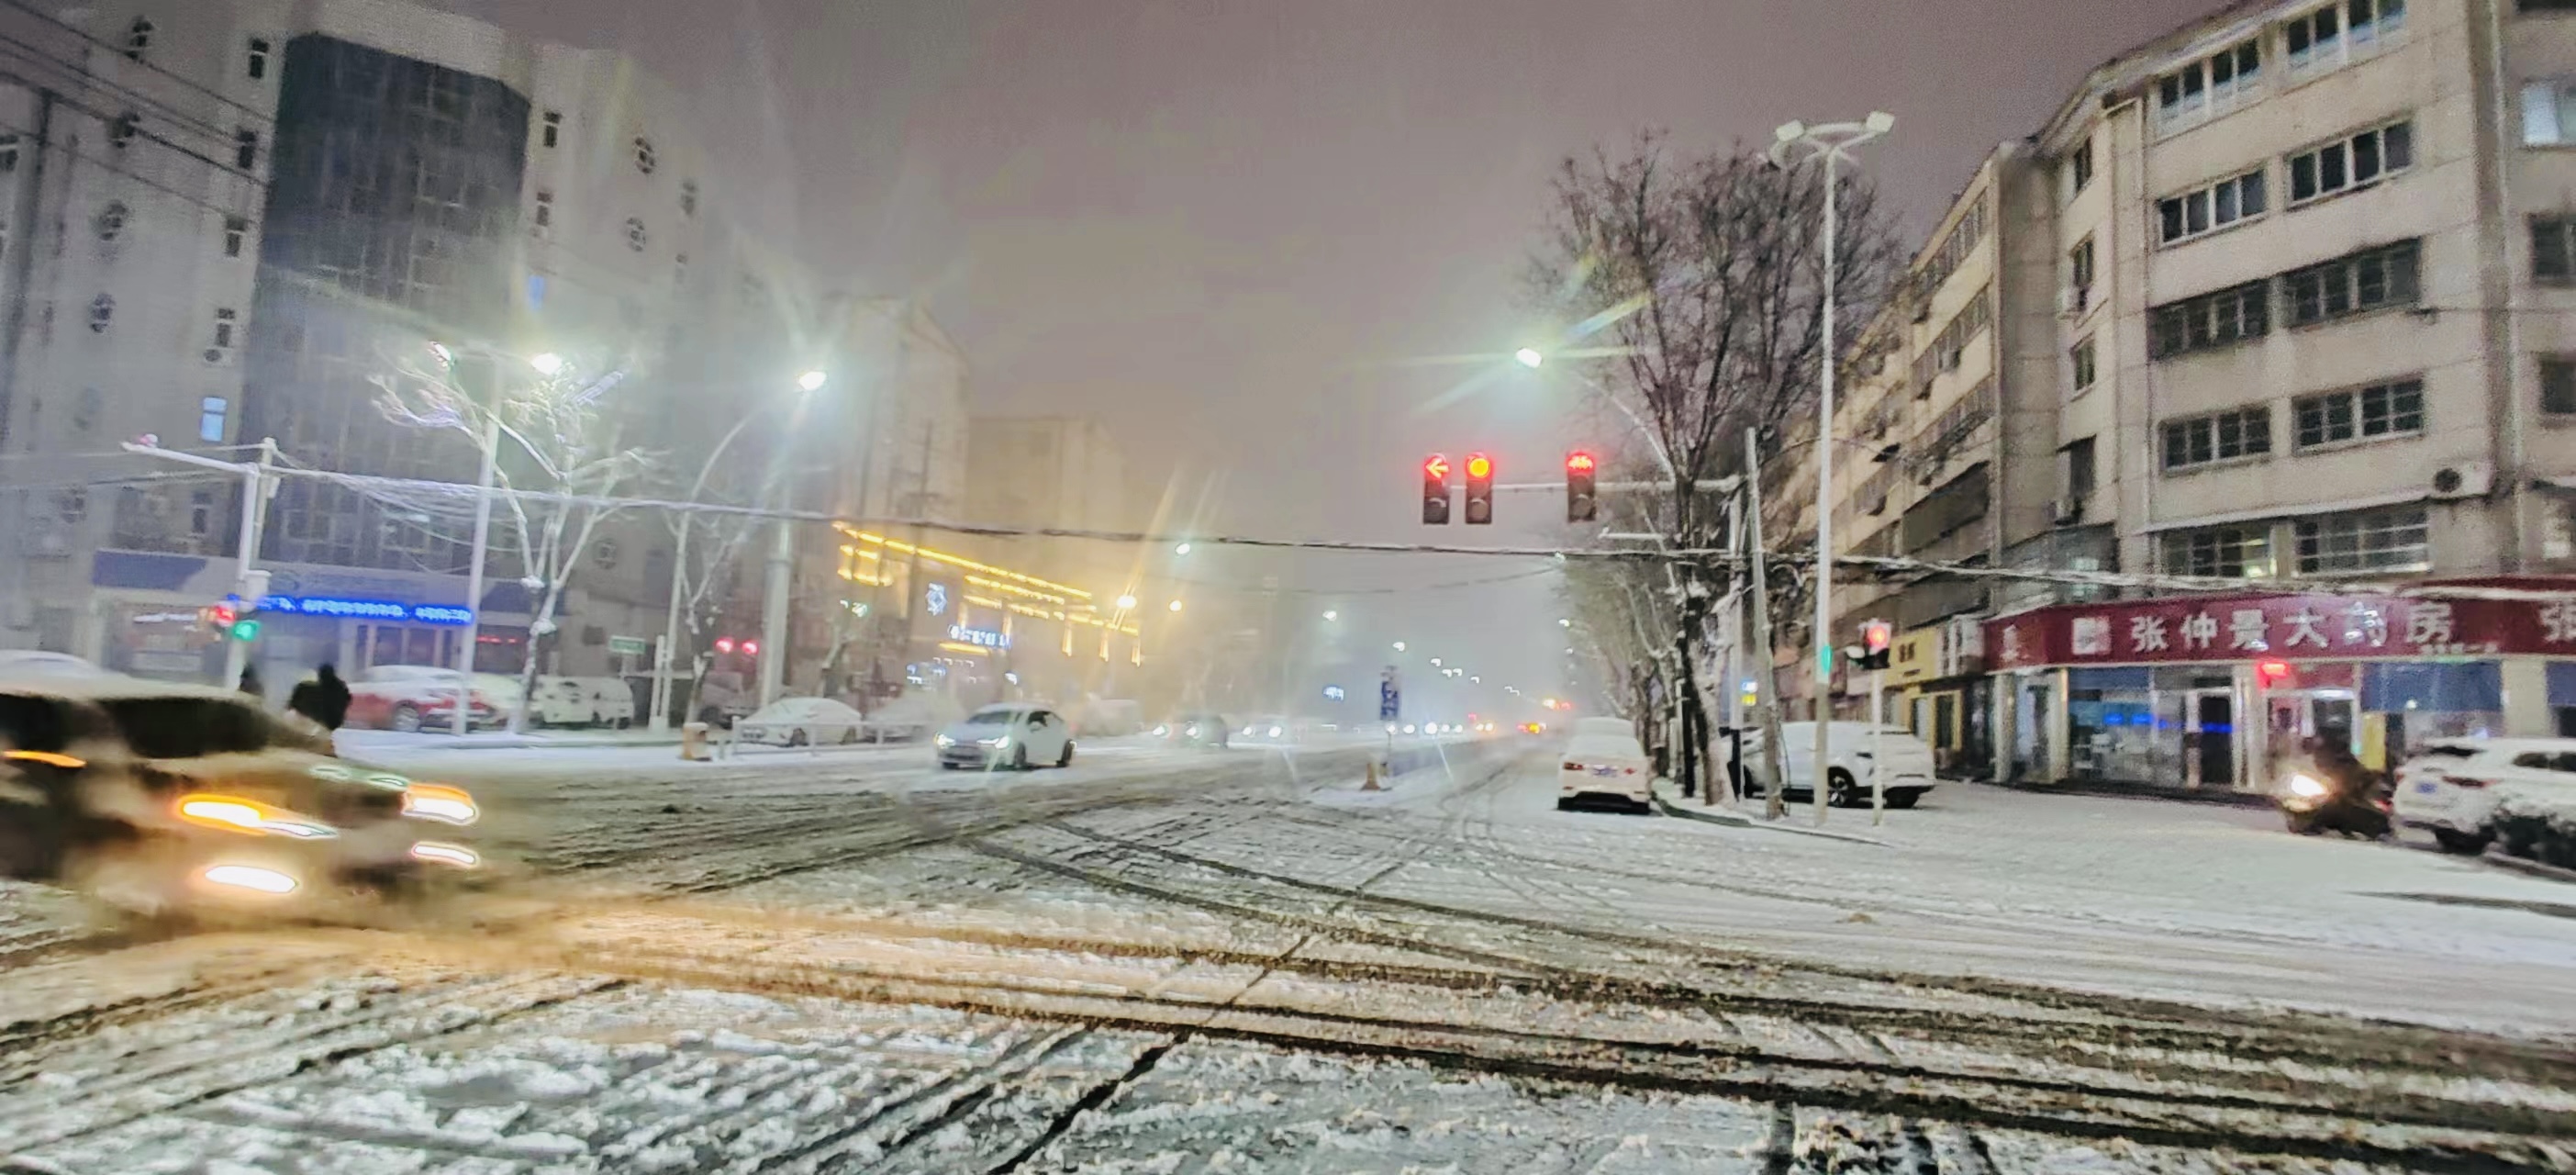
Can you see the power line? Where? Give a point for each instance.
(136, 129)
(81, 77)
(112, 47)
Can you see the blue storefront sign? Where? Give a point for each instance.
(366, 609)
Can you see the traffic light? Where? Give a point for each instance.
(1876, 636)
(244, 629)
(1580, 504)
(1480, 490)
(1435, 491)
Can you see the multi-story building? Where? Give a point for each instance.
(327, 187)
(2305, 269)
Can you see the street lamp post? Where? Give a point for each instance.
(548, 365)
(806, 385)
(1832, 143)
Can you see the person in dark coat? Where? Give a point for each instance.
(325, 699)
(251, 684)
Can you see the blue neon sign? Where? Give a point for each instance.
(366, 609)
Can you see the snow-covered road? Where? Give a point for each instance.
(1161, 962)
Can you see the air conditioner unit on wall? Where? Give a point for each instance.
(2467, 479)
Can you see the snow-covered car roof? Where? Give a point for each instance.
(2497, 744)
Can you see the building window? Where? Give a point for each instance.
(2356, 414)
(236, 233)
(550, 130)
(2355, 283)
(210, 419)
(2079, 274)
(1964, 238)
(2210, 86)
(545, 211)
(2558, 384)
(2545, 6)
(2367, 540)
(224, 320)
(2351, 164)
(201, 513)
(1952, 343)
(2336, 33)
(635, 238)
(138, 38)
(2220, 552)
(2085, 364)
(2549, 112)
(122, 131)
(102, 309)
(645, 160)
(2080, 168)
(8, 154)
(111, 221)
(2553, 250)
(245, 148)
(2210, 321)
(2221, 436)
(688, 197)
(2206, 210)
(258, 61)
(2079, 469)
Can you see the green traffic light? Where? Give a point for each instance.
(1825, 659)
(245, 630)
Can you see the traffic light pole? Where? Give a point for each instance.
(247, 582)
(1877, 769)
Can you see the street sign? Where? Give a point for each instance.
(628, 646)
(1390, 697)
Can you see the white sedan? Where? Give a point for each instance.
(1610, 768)
(800, 722)
(2449, 785)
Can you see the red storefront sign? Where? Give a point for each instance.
(2281, 628)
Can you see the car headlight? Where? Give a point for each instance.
(944, 742)
(235, 814)
(1274, 732)
(2307, 786)
(430, 801)
(446, 854)
(1162, 732)
(990, 742)
(251, 878)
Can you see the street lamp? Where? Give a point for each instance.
(547, 364)
(1529, 357)
(1126, 603)
(1564, 622)
(806, 385)
(1532, 358)
(1399, 646)
(1330, 614)
(1435, 662)
(1182, 549)
(1176, 605)
(1831, 143)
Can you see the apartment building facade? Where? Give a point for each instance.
(2305, 308)
(325, 186)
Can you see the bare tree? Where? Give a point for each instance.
(1698, 282)
(560, 442)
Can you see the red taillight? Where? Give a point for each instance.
(1627, 771)
(1574, 766)
(2462, 781)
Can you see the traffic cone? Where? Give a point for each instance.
(1370, 784)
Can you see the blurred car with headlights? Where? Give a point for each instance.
(1014, 735)
(1194, 730)
(163, 798)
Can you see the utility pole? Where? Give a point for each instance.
(472, 636)
(249, 582)
(1774, 803)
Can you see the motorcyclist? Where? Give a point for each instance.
(2353, 803)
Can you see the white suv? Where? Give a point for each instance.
(2449, 785)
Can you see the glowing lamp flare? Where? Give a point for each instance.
(439, 853)
(2307, 787)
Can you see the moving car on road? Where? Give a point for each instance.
(1903, 761)
(1015, 735)
(801, 722)
(159, 797)
(2449, 786)
(1603, 767)
(1194, 730)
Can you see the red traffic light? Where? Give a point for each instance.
(1437, 467)
(1579, 461)
(1876, 635)
(224, 614)
(1479, 466)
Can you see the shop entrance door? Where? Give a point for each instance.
(2213, 723)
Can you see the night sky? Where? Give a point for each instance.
(1236, 231)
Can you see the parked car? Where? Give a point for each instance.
(2448, 786)
(581, 701)
(1016, 735)
(801, 722)
(1903, 761)
(423, 697)
(165, 798)
(1194, 730)
(1601, 767)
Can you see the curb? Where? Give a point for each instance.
(2528, 867)
(2213, 797)
(1669, 808)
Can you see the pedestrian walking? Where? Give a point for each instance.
(252, 685)
(324, 698)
